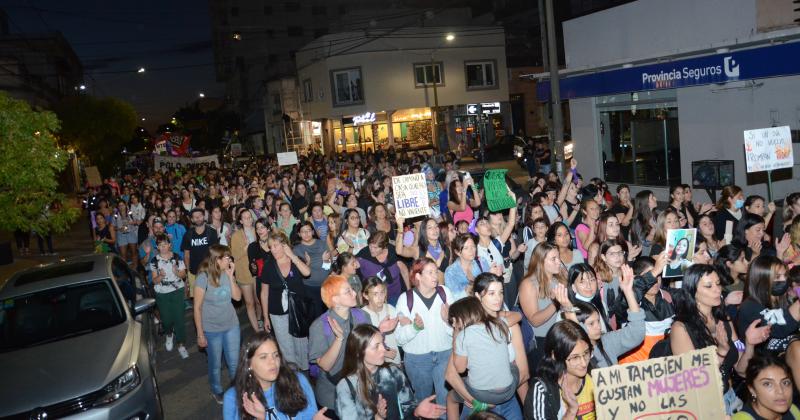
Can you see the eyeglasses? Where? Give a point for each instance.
(585, 356)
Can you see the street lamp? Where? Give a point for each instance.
(435, 114)
(82, 87)
(144, 119)
(141, 70)
(202, 95)
(450, 37)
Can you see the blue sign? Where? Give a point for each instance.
(756, 63)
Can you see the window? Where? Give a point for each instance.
(425, 74)
(234, 11)
(291, 6)
(276, 104)
(294, 31)
(347, 87)
(308, 92)
(267, 10)
(320, 32)
(318, 10)
(639, 138)
(481, 74)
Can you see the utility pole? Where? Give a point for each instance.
(555, 91)
(545, 66)
(435, 113)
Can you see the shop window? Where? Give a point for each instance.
(426, 74)
(294, 31)
(639, 137)
(481, 74)
(308, 92)
(347, 87)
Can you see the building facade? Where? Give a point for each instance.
(382, 91)
(654, 86)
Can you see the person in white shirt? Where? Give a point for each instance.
(169, 273)
(374, 293)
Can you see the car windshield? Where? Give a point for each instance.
(59, 313)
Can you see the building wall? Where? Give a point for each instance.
(652, 28)
(535, 111)
(387, 73)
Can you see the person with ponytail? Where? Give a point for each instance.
(608, 346)
(267, 387)
(562, 388)
(700, 321)
(372, 389)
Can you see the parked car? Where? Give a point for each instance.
(75, 342)
(505, 148)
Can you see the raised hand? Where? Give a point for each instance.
(388, 324)
(403, 321)
(335, 328)
(626, 282)
(418, 323)
(782, 245)
(252, 405)
(756, 335)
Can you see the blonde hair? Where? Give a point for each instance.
(209, 265)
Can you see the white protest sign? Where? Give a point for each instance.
(766, 149)
(287, 158)
(688, 386)
(167, 163)
(410, 195)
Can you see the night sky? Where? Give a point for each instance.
(113, 39)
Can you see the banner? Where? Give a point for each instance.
(287, 158)
(687, 387)
(497, 197)
(168, 163)
(766, 149)
(160, 147)
(177, 144)
(410, 195)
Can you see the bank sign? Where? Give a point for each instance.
(756, 63)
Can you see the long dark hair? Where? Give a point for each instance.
(758, 283)
(469, 311)
(686, 307)
(357, 343)
(747, 221)
(585, 310)
(727, 254)
(558, 344)
(289, 395)
(553, 229)
(642, 215)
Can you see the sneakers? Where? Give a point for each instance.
(182, 351)
(170, 339)
(218, 398)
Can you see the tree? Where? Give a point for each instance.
(29, 170)
(97, 128)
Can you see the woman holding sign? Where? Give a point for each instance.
(700, 321)
(459, 204)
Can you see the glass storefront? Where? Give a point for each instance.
(411, 128)
(639, 136)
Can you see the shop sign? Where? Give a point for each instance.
(366, 118)
(316, 128)
(490, 108)
(472, 109)
(766, 149)
(756, 63)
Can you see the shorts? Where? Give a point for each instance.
(126, 238)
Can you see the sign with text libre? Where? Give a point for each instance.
(410, 195)
(688, 386)
(766, 149)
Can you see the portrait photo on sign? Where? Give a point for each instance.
(680, 251)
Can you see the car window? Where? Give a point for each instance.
(59, 313)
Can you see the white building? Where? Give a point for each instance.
(654, 85)
(376, 89)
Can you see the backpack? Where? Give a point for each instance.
(173, 259)
(410, 297)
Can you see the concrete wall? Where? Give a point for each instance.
(387, 73)
(648, 28)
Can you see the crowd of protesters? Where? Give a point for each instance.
(358, 313)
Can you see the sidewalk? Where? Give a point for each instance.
(76, 241)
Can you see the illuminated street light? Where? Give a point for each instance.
(202, 95)
(144, 119)
(450, 37)
(82, 87)
(141, 70)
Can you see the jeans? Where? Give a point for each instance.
(510, 410)
(219, 343)
(426, 374)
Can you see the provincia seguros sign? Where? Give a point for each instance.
(755, 63)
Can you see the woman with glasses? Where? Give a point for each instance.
(214, 315)
(562, 387)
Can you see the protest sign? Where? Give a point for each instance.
(766, 149)
(680, 251)
(167, 163)
(497, 196)
(287, 158)
(688, 387)
(410, 195)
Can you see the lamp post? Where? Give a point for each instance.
(435, 113)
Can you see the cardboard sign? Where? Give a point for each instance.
(410, 195)
(287, 158)
(680, 251)
(688, 387)
(168, 163)
(497, 197)
(766, 149)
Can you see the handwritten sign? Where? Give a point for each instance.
(410, 195)
(688, 387)
(497, 197)
(287, 158)
(766, 149)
